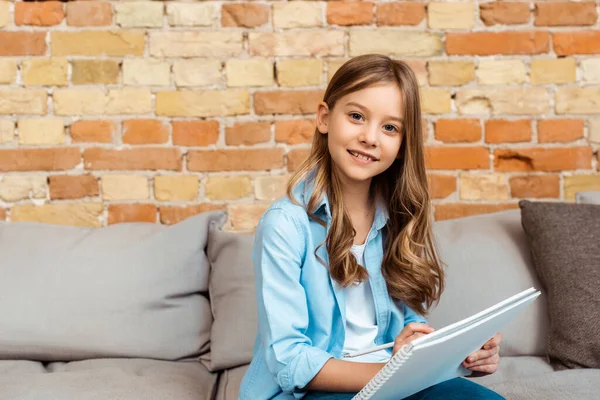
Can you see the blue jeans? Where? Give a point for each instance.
(453, 389)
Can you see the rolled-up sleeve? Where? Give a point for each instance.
(411, 316)
(282, 306)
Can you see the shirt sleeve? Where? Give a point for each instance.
(412, 316)
(282, 306)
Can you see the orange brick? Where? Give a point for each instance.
(441, 186)
(458, 130)
(244, 15)
(543, 159)
(92, 131)
(46, 13)
(195, 133)
(452, 211)
(248, 133)
(171, 215)
(457, 157)
(501, 13)
(133, 159)
(145, 131)
(489, 43)
(39, 159)
(234, 160)
(535, 186)
(504, 131)
(559, 130)
(295, 131)
(73, 186)
(580, 42)
(22, 43)
(565, 14)
(347, 13)
(404, 13)
(287, 102)
(119, 213)
(89, 13)
(296, 157)
(2, 214)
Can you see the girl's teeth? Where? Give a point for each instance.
(361, 156)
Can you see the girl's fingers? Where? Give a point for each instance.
(490, 369)
(493, 342)
(484, 361)
(482, 354)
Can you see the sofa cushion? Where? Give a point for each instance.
(487, 260)
(511, 368)
(102, 379)
(229, 383)
(591, 197)
(126, 290)
(564, 241)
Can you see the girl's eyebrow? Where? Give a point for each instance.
(353, 103)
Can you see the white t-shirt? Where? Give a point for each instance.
(361, 321)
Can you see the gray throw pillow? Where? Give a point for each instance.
(591, 197)
(564, 240)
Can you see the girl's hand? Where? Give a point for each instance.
(410, 332)
(485, 360)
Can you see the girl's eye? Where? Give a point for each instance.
(355, 114)
(392, 128)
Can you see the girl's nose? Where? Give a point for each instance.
(369, 136)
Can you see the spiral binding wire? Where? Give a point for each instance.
(386, 373)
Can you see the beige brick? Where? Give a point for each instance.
(197, 72)
(395, 43)
(435, 101)
(419, 67)
(48, 71)
(23, 101)
(252, 72)
(306, 43)
(173, 188)
(332, 67)
(94, 72)
(129, 101)
(294, 73)
(503, 101)
(460, 15)
(580, 183)
(297, 14)
(577, 100)
(228, 187)
(208, 103)
(15, 187)
(270, 187)
(501, 72)
(97, 43)
(192, 14)
(483, 187)
(206, 44)
(4, 13)
(82, 214)
(594, 132)
(8, 71)
(79, 101)
(450, 73)
(245, 217)
(591, 70)
(146, 71)
(139, 14)
(125, 187)
(544, 72)
(41, 131)
(7, 131)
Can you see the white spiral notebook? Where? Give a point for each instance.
(438, 356)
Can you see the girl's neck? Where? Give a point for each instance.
(356, 197)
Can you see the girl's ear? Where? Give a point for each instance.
(323, 117)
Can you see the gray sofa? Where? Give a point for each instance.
(143, 311)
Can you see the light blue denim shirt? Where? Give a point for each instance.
(301, 309)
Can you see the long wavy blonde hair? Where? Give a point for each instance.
(411, 267)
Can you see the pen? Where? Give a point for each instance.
(371, 350)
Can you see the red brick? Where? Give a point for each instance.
(543, 159)
(404, 13)
(458, 130)
(295, 131)
(92, 131)
(133, 159)
(504, 131)
(457, 157)
(244, 15)
(89, 13)
(287, 102)
(55, 159)
(441, 186)
(248, 133)
(501, 13)
(535, 186)
(453, 211)
(46, 13)
(580, 42)
(145, 131)
(22, 43)
(347, 13)
(171, 215)
(73, 186)
(119, 213)
(234, 160)
(565, 14)
(490, 43)
(296, 157)
(559, 130)
(195, 133)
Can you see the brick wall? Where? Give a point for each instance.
(153, 111)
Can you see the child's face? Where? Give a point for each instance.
(364, 131)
